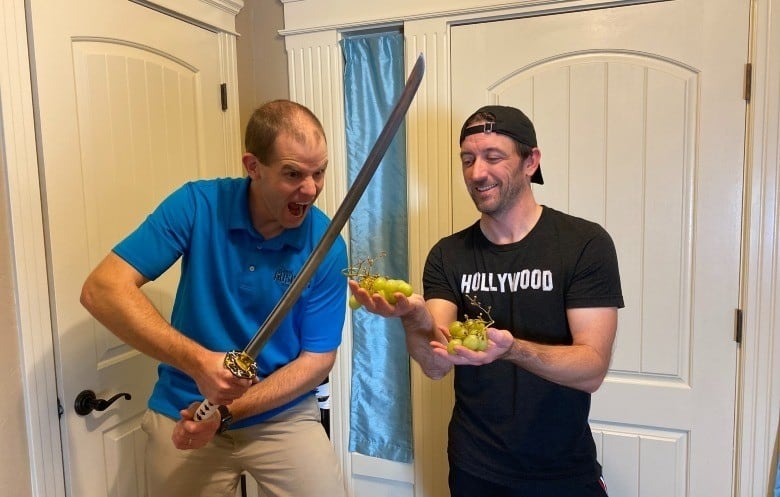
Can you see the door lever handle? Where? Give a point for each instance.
(87, 401)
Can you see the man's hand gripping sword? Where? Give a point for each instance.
(242, 363)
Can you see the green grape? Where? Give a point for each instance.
(452, 343)
(405, 288)
(393, 286)
(471, 342)
(387, 288)
(379, 285)
(388, 292)
(457, 330)
(353, 303)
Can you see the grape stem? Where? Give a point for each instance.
(476, 303)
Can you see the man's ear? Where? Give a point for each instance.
(250, 163)
(532, 162)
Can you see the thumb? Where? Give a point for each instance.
(189, 412)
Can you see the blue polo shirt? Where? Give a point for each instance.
(231, 279)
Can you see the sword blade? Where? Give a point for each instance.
(342, 214)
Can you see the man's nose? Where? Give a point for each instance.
(309, 186)
(479, 168)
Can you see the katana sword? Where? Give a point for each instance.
(242, 363)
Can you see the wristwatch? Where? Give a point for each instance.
(225, 419)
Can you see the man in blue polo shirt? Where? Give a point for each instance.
(241, 241)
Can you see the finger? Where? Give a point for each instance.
(205, 426)
(181, 439)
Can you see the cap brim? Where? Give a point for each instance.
(537, 177)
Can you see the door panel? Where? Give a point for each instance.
(640, 120)
(128, 108)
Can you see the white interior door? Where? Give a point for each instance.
(128, 108)
(640, 118)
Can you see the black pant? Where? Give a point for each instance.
(464, 484)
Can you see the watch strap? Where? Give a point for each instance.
(225, 419)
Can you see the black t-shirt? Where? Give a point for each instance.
(509, 425)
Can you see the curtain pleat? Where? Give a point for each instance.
(380, 410)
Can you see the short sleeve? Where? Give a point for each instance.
(162, 237)
(435, 283)
(323, 319)
(596, 278)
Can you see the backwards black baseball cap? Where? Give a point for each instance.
(507, 121)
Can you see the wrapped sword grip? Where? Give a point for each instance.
(242, 366)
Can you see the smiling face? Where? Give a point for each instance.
(495, 174)
(284, 188)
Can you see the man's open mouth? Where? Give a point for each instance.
(296, 209)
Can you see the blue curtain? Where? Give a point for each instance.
(380, 410)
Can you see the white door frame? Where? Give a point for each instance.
(758, 408)
(29, 258)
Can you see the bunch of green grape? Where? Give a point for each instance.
(384, 286)
(375, 283)
(471, 332)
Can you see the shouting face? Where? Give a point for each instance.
(283, 190)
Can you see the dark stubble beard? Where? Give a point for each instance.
(509, 195)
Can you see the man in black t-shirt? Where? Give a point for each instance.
(550, 283)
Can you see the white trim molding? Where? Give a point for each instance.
(305, 16)
(214, 15)
(29, 257)
(759, 395)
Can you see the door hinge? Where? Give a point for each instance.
(738, 325)
(748, 81)
(60, 409)
(223, 95)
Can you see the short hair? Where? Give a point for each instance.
(273, 118)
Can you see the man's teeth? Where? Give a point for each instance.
(297, 209)
(485, 188)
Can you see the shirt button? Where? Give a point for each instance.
(251, 268)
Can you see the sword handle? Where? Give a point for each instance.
(206, 410)
(242, 365)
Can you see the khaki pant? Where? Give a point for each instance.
(289, 456)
